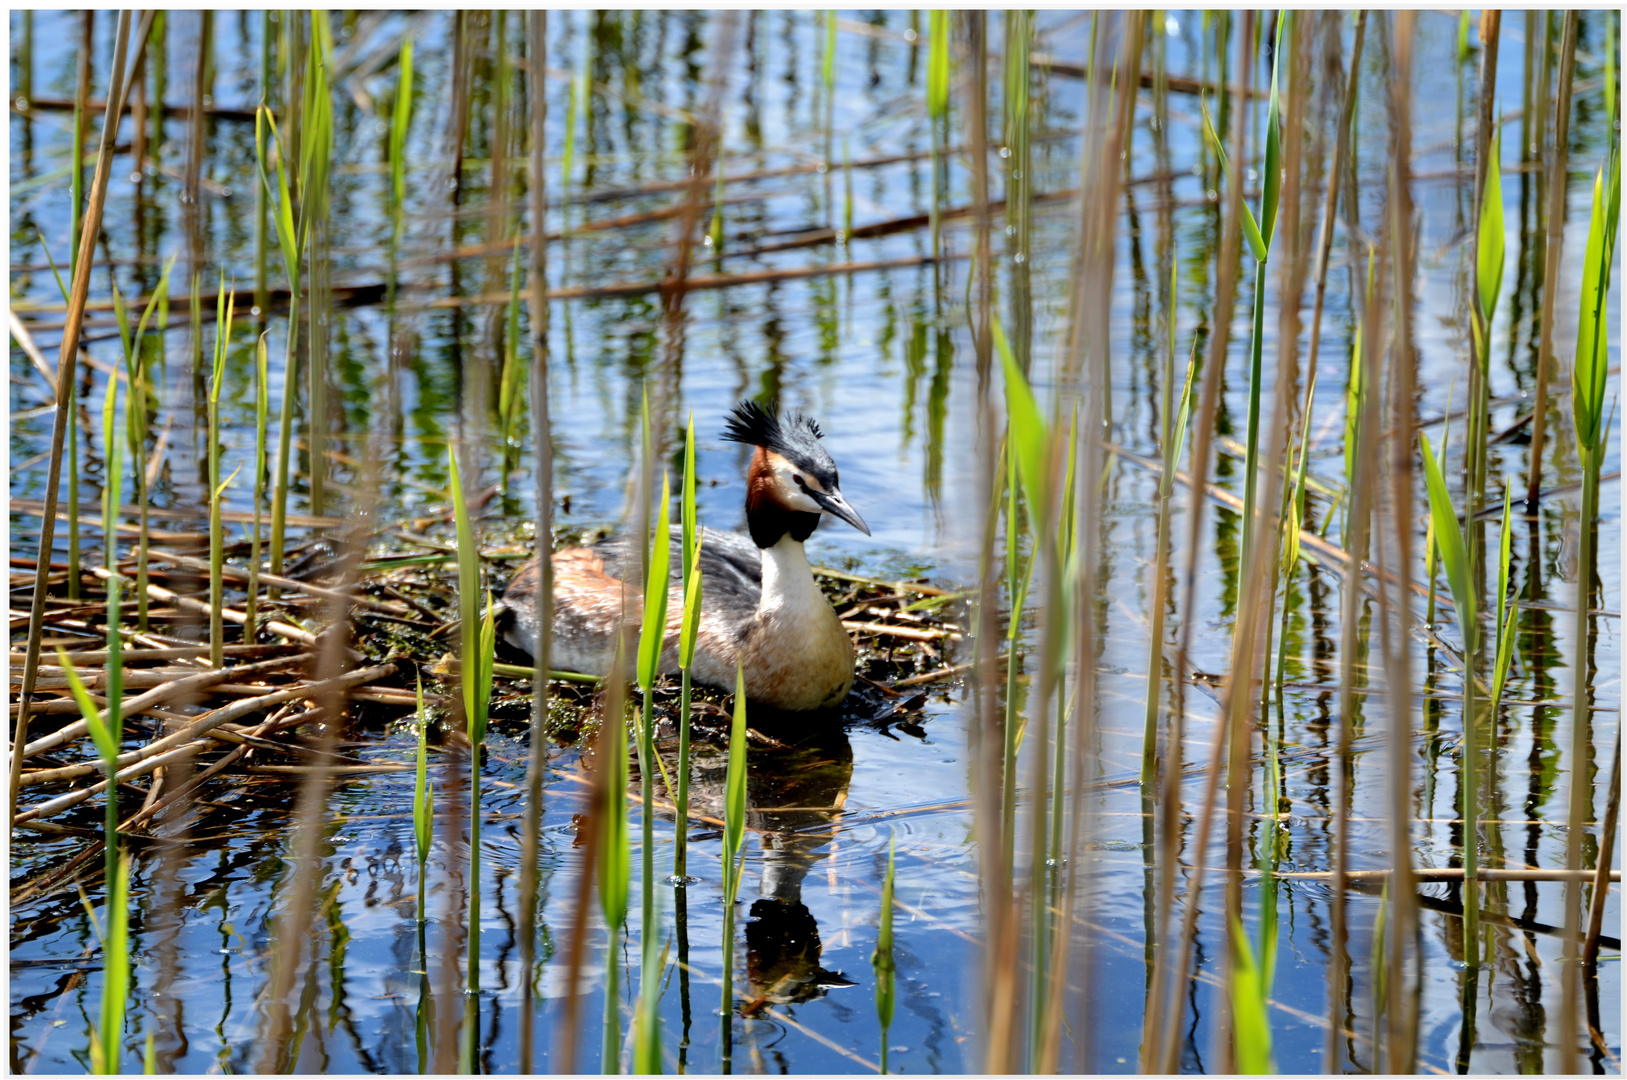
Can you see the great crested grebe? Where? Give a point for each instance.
(760, 605)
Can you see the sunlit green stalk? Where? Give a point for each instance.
(423, 800)
(224, 303)
(400, 123)
(651, 642)
(1459, 574)
(291, 241)
(106, 1039)
(734, 832)
(479, 643)
(261, 416)
(614, 871)
(1589, 378)
(882, 958)
(687, 634)
(937, 103)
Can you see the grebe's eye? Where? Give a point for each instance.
(800, 482)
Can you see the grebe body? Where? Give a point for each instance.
(760, 605)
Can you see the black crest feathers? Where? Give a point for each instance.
(754, 425)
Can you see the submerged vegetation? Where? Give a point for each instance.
(1315, 782)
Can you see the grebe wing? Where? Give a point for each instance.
(731, 568)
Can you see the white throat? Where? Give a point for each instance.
(789, 589)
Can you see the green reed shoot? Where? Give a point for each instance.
(111, 482)
(316, 155)
(734, 833)
(882, 958)
(1355, 400)
(1459, 576)
(1589, 372)
(1431, 549)
(262, 393)
(1375, 961)
(479, 645)
(138, 415)
(224, 303)
(149, 1057)
(291, 240)
(615, 870)
(1259, 236)
(106, 731)
(1488, 283)
(400, 122)
(687, 634)
(651, 641)
(105, 1040)
(511, 390)
(1251, 1024)
(423, 800)
(937, 107)
(1505, 610)
(647, 1013)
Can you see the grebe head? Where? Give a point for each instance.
(792, 481)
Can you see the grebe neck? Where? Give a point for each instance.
(789, 589)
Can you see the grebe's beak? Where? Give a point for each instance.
(836, 506)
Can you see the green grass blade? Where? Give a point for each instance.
(106, 746)
(422, 793)
(882, 958)
(468, 591)
(937, 70)
(1251, 230)
(647, 1016)
(1271, 186)
(1454, 553)
(1251, 1026)
(400, 122)
(1489, 268)
(653, 635)
(734, 786)
(115, 973)
(1029, 434)
(1588, 373)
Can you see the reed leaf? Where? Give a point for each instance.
(262, 407)
(400, 122)
(653, 634)
(1454, 552)
(468, 604)
(1251, 1025)
(423, 798)
(937, 68)
(1505, 610)
(105, 1044)
(647, 1014)
(1591, 367)
(881, 960)
(1489, 267)
(688, 632)
(1028, 432)
(1251, 228)
(734, 797)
